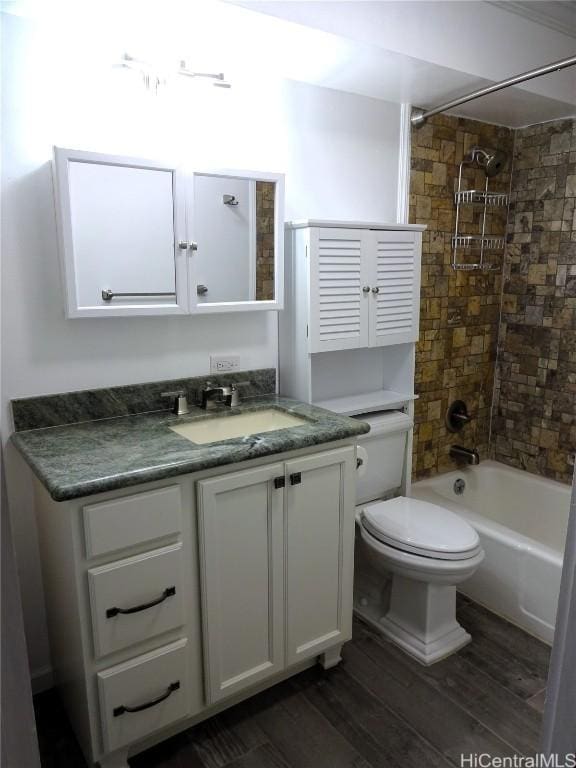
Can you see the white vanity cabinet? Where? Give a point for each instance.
(241, 525)
(320, 492)
(169, 600)
(276, 567)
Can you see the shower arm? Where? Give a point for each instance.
(420, 116)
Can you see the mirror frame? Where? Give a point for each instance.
(242, 306)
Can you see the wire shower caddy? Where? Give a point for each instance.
(483, 242)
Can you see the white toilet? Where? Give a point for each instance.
(410, 553)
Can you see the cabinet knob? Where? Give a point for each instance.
(366, 289)
(375, 289)
(184, 245)
(295, 478)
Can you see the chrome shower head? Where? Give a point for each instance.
(492, 161)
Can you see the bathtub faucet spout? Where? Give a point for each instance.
(464, 455)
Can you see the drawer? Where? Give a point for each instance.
(143, 695)
(131, 520)
(136, 598)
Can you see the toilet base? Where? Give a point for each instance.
(425, 653)
(421, 620)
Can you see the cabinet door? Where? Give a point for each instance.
(242, 574)
(395, 287)
(338, 316)
(319, 552)
(120, 223)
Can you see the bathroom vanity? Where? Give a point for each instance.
(181, 577)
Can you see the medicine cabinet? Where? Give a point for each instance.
(139, 237)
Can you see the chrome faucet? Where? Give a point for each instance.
(227, 395)
(465, 455)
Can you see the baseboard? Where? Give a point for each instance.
(42, 679)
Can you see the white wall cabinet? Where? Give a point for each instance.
(348, 332)
(364, 287)
(167, 601)
(276, 548)
(138, 237)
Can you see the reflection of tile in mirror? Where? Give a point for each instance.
(265, 240)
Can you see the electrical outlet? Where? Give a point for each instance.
(224, 363)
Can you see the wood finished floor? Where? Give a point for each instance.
(377, 709)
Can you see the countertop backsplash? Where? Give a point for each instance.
(43, 411)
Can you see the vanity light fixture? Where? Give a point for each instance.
(218, 78)
(153, 78)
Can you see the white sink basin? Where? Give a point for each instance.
(241, 425)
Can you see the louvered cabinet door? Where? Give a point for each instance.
(338, 304)
(395, 288)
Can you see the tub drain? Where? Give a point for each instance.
(459, 486)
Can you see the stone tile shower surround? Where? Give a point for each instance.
(534, 422)
(456, 354)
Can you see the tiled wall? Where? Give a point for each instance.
(265, 240)
(534, 423)
(459, 310)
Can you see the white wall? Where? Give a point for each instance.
(339, 152)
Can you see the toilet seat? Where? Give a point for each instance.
(420, 528)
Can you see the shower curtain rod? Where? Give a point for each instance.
(420, 116)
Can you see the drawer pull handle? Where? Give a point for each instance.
(169, 592)
(117, 711)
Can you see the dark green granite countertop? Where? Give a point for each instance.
(91, 457)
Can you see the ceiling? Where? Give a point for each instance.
(421, 52)
(429, 52)
(559, 15)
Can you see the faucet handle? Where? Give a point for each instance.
(180, 405)
(233, 398)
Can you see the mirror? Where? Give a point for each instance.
(238, 235)
(120, 224)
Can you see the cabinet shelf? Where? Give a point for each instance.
(367, 402)
(496, 199)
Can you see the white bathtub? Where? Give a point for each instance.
(521, 520)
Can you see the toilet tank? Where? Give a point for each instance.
(385, 453)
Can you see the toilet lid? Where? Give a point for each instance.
(421, 528)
